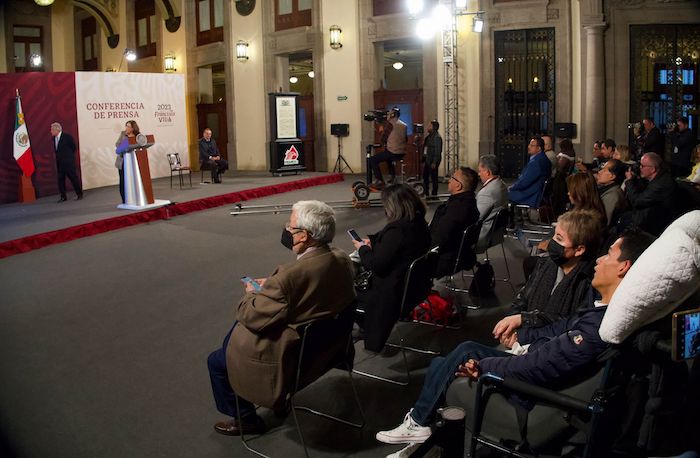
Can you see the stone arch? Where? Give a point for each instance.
(172, 16)
(104, 17)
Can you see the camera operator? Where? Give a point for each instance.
(683, 143)
(394, 149)
(652, 141)
(650, 195)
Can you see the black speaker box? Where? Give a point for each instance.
(340, 130)
(565, 130)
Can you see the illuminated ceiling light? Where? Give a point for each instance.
(311, 74)
(478, 23)
(35, 60)
(169, 62)
(43, 2)
(336, 37)
(397, 65)
(130, 54)
(461, 4)
(442, 16)
(242, 51)
(415, 7)
(425, 29)
(293, 79)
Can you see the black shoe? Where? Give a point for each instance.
(80, 197)
(62, 199)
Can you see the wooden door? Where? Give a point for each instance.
(213, 116)
(410, 102)
(307, 131)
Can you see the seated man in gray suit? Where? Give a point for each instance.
(258, 359)
(492, 196)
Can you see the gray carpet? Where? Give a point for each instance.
(104, 340)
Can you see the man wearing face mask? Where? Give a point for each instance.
(561, 282)
(257, 360)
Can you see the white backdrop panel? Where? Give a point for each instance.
(105, 101)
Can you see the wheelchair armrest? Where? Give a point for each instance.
(537, 393)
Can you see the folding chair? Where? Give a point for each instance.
(467, 246)
(417, 287)
(315, 360)
(496, 236)
(176, 166)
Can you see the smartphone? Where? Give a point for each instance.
(352, 233)
(256, 286)
(685, 335)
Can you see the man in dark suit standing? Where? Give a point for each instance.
(64, 146)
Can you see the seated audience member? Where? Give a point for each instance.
(561, 282)
(209, 155)
(549, 150)
(622, 154)
(452, 218)
(610, 177)
(388, 254)
(492, 196)
(527, 189)
(559, 196)
(558, 355)
(583, 194)
(695, 171)
(607, 150)
(649, 195)
(597, 158)
(259, 356)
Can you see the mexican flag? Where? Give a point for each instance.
(21, 147)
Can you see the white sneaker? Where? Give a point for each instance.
(408, 432)
(410, 448)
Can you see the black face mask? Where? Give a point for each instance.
(287, 239)
(556, 253)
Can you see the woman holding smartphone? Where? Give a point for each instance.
(388, 254)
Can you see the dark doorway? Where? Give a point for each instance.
(525, 92)
(211, 110)
(664, 75)
(410, 102)
(301, 80)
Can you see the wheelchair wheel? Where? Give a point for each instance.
(361, 191)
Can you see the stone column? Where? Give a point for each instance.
(594, 112)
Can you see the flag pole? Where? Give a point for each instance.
(25, 192)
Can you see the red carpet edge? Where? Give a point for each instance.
(36, 241)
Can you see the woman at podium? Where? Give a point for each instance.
(131, 129)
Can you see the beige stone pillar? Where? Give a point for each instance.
(594, 116)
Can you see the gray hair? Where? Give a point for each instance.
(57, 126)
(490, 162)
(655, 160)
(317, 218)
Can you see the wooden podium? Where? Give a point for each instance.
(138, 189)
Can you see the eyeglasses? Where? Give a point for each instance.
(453, 178)
(289, 228)
(644, 165)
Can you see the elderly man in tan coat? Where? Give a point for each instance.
(259, 357)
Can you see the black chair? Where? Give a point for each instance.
(417, 287)
(466, 259)
(206, 166)
(177, 167)
(315, 360)
(496, 236)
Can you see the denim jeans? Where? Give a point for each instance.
(224, 396)
(384, 156)
(441, 374)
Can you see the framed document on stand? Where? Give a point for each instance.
(285, 149)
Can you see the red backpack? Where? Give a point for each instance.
(435, 309)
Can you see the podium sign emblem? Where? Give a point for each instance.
(291, 156)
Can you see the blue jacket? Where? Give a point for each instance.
(559, 354)
(528, 188)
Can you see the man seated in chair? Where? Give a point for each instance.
(259, 356)
(452, 218)
(560, 283)
(548, 356)
(492, 196)
(210, 157)
(527, 189)
(394, 150)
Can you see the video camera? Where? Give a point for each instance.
(376, 115)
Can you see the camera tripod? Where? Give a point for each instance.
(341, 159)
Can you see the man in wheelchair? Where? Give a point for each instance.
(559, 353)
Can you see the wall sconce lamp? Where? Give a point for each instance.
(336, 35)
(43, 2)
(242, 51)
(169, 62)
(478, 23)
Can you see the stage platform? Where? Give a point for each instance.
(26, 227)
